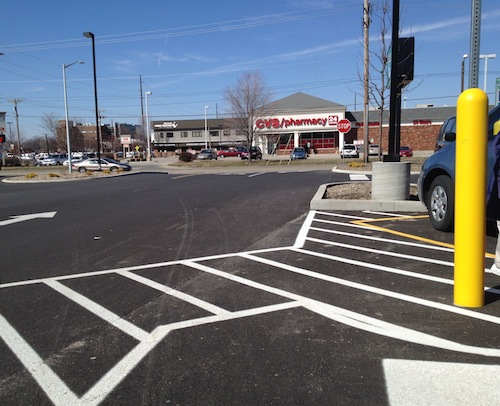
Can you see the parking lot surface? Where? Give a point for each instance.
(358, 310)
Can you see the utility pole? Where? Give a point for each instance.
(142, 105)
(16, 101)
(475, 41)
(366, 40)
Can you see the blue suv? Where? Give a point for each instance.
(436, 183)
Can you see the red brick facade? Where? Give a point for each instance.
(419, 137)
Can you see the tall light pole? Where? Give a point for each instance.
(68, 143)
(148, 132)
(486, 57)
(206, 129)
(88, 34)
(464, 57)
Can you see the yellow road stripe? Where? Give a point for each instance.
(367, 223)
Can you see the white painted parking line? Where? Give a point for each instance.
(358, 177)
(57, 391)
(60, 394)
(381, 252)
(175, 293)
(385, 240)
(98, 310)
(304, 230)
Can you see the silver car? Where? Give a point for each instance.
(207, 154)
(94, 164)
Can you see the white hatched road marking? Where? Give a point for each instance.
(358, 177)
(60, 394)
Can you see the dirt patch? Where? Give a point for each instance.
(62, 175)
(358, 191)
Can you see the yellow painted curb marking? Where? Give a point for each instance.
(368, 223)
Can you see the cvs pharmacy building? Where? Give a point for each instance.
(296, 120)
(301, 120)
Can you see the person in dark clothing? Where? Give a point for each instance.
(493, 201)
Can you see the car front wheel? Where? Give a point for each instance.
(441, 203)
(82, 169)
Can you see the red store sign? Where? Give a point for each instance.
(279, 123)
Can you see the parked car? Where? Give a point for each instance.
(229, 152)
(94, 164)
(52, 160)
(254, 152)
(436, 183)
(207, 154)
(298, 153)
(349, 151)
(446, 134)
(373, 149)
(405, 151)
(74, 160)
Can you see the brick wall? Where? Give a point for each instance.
(417, 137)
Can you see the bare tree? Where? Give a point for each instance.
(246, 101)
(50, 123)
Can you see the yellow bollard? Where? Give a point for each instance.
(470, 197)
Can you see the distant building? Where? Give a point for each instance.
(300, 119)
(83, 136)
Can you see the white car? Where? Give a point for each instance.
(94, 164)
(373, 149)
(74, 160)
(53, 160)
(349, 151)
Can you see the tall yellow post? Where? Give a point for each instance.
(470, 197)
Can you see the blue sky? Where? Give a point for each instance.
(189, 51)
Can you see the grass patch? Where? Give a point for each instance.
(30, 175)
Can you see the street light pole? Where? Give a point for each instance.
(463, 71)
(486, 57)
(88, 34)
(68, 143)
(206, 131)
(148, 130)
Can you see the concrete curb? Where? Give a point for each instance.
(318, 202)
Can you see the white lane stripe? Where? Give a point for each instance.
(345, 216)
(371, 289)
(343, 224)
(100, 311)
(306, 225)
(387, 240)
(256, 174)
(114, 376)
(175, 293)
(361, 321)
(381, 213)
(47, 379)
(358, 177)
(381, 252)
(134, 268)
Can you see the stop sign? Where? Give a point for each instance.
(344, 125)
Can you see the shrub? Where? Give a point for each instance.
(53, 175)
(30, 175)
(185, 157)
(356, 164)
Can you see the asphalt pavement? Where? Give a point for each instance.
(336, 306)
